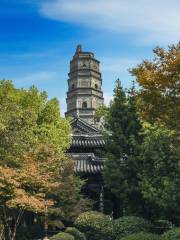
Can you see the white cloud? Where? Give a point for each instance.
(62, 102)
(152, 20)
(118, 65)
(107, 98)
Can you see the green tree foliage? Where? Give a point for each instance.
(35, 175)
(102, 111)
(143, 164)
(26, 119)
(159, 81)
(62, 236)
(173, 234)
(160, 172)
(69, 202)
(141, 236)
(122, 148)
(75, 233)
(161, 226)
(128, 225)
(158, 105)
(94, 225)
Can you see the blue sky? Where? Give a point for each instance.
(38, 38)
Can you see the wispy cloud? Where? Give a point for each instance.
(107, 98)
(118, 65)
(150, 20)
(50, 52)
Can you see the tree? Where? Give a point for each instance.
(159, 81)
(101, 111)
(120, 171)
(158, 107)
(69, 202)
(23, 189)
(160, 172)
(33, 139)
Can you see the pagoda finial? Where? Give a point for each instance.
(79, 48)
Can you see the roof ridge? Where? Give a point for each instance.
(84, 123)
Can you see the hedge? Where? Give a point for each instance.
(173, 234)
(141, 236)
(75, 233)
(62, 236)
(128, 225)
(95, 225)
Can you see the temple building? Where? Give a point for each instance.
(84, 96)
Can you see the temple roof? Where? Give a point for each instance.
(87, 142)
(80, 127)
(86, 136)
(87, 163)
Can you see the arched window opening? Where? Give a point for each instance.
(76, 131)
(72, 87)
(84, 105)
(96, 86)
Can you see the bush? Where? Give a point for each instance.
(128, 225)
(161, 226)
(62, 236)
(95, 225)
(141, 236)
(75, 233)
(173, 234)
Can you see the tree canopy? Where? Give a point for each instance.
(160, 172)
(34, 171)
(159, 81)
(142, 167)
(123, 137)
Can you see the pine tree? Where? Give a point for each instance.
(122, 147)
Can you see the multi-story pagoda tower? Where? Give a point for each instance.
(84, 94)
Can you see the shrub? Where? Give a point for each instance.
(56, 224)
(141, 236)
(173, 234)
(75, 233)
(62, 236)
(95, 225)
(128, 225)
(161, 226)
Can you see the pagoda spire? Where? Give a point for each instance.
(79, 48)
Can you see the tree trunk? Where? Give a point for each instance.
(11, 227)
